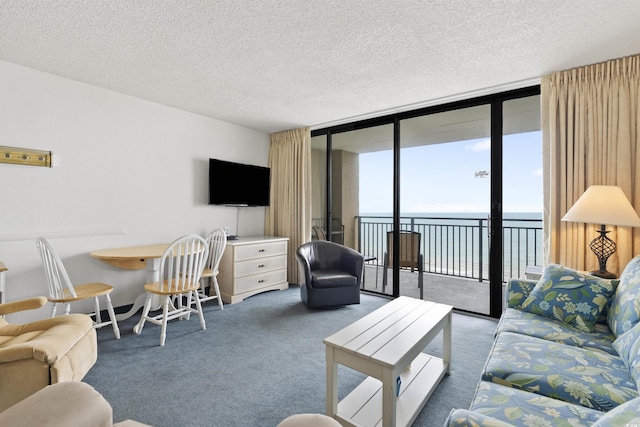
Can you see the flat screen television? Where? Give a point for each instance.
(238, 184)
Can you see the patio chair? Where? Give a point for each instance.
(337, 231)
(319, 233)
(410, 256)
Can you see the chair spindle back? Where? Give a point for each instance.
(55, 273)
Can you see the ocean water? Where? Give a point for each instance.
(460, 215)
(457, 243)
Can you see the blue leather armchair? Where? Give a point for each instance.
(332, 274)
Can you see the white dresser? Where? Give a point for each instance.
(251, 265)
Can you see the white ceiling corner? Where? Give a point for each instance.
(273, 65)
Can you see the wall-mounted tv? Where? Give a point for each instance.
(238, 184)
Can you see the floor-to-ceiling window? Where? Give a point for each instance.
(319, 169)
(420, 194)
(364, 195)
(522, 186)
(356, 178)
(445, 163)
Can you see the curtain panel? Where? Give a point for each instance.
(590, 128)
(289, 213)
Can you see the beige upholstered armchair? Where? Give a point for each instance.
(36, 354)
(68, 404)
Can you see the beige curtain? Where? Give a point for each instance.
(289, 213)
(590, 128)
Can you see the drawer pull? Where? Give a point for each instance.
(261, 266)
(261, 281)
(262, 250)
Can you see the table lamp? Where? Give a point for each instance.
(604, 205)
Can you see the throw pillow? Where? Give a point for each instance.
(624, 312)
(628, 347)
(569, 296)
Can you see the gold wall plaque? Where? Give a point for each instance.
(25, 156)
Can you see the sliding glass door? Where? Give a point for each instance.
(372, 204)
(319, 186)
(352, 181)
(522, 189)
(445, 166)
(420, 195)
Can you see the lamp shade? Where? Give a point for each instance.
(604, 205)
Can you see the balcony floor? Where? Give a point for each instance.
(463, 294)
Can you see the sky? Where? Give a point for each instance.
(441, 178)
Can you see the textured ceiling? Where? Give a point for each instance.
(280, 64)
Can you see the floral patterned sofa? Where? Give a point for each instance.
(566, 353)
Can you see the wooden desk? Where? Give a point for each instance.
(131, 258)
(134, 258)
(387, 345)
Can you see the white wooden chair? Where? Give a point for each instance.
(62, 291)
(217, 241)
(180, 271)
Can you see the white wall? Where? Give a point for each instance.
(126, 172)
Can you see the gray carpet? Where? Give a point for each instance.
(258, 362)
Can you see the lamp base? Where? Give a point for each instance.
(604, 274)
(603, 247)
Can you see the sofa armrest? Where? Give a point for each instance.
(66, 404)
(467, 418)
(518, 290)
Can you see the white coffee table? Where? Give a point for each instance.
(387, 344)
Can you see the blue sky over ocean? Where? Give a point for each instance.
(450, 177)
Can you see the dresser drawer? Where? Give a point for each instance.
(259, 250)
(260, 265)
(257, 281)
(251, 265)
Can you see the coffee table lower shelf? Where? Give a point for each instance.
(363, 406)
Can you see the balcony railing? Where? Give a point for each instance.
(458, 246)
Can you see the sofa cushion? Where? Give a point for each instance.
(586, 377)
(569, 296)
(467, 418)
(332, 279)
(627, 414)
(628, 347)
(518, 290)
(526, 323)
(522, 408)
(625, 305)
